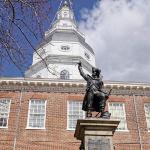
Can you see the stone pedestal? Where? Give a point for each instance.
(96, 134)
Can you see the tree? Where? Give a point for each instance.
(22, 23)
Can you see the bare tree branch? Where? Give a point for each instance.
(27, 17)
(33, 47)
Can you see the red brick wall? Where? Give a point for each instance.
(56, 136)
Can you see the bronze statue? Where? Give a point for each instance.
(95, 97)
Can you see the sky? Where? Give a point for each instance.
(119, 33)
(8, 69)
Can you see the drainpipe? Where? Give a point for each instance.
(137, 120)
(17, 119)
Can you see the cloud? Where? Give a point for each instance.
(119, 32)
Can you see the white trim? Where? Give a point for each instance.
(8, 112)
(31, 128)
(68, 129)
(148, 127)
(36, 128)
(4, 127)
(122, 130)
(67, 115)
(45, 114)
(28, 114)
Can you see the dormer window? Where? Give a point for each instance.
(64, 74)
(38, 76)
(65, 48)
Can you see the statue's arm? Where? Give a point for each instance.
(85, 76)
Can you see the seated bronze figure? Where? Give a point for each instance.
(95, 97)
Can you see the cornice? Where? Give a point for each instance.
(71, 86)
(80, 37)
(58, 59)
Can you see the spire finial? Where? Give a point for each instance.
(66, 3)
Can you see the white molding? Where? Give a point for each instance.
(112, 84)
(28, 114)
(122, 130)
(3, 127)
(31, 128)
(146, 116)
(45, 114)
(67, 115)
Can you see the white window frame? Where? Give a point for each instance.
(65, 76)
(65, 48)
(36, 128)
(148, 126)
(8, 111)
(126, 130)
(71, 129)
(87, 56)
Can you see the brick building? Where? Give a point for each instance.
(37, 113)
(42, 114)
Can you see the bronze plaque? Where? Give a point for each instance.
(99, 144)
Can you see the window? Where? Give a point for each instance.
(65, 47)
(4, 112)
(87, 56)
(75, 112)
(36, 114)
(38, 76)
(147, 114)
(64, 74)
(41, 52)
(117, 111)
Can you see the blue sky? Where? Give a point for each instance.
(119, 33)
(9, 69)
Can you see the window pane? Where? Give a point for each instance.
(118, 112)
(147, 114)
(37, 112)
(4, 112)
(74, 113)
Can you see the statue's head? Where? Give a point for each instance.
(95, 72)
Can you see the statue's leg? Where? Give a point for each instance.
(104, 114)
(102, 101)
(90, 97)
(103, 105)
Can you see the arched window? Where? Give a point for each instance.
(64, 74)
(38, 76)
